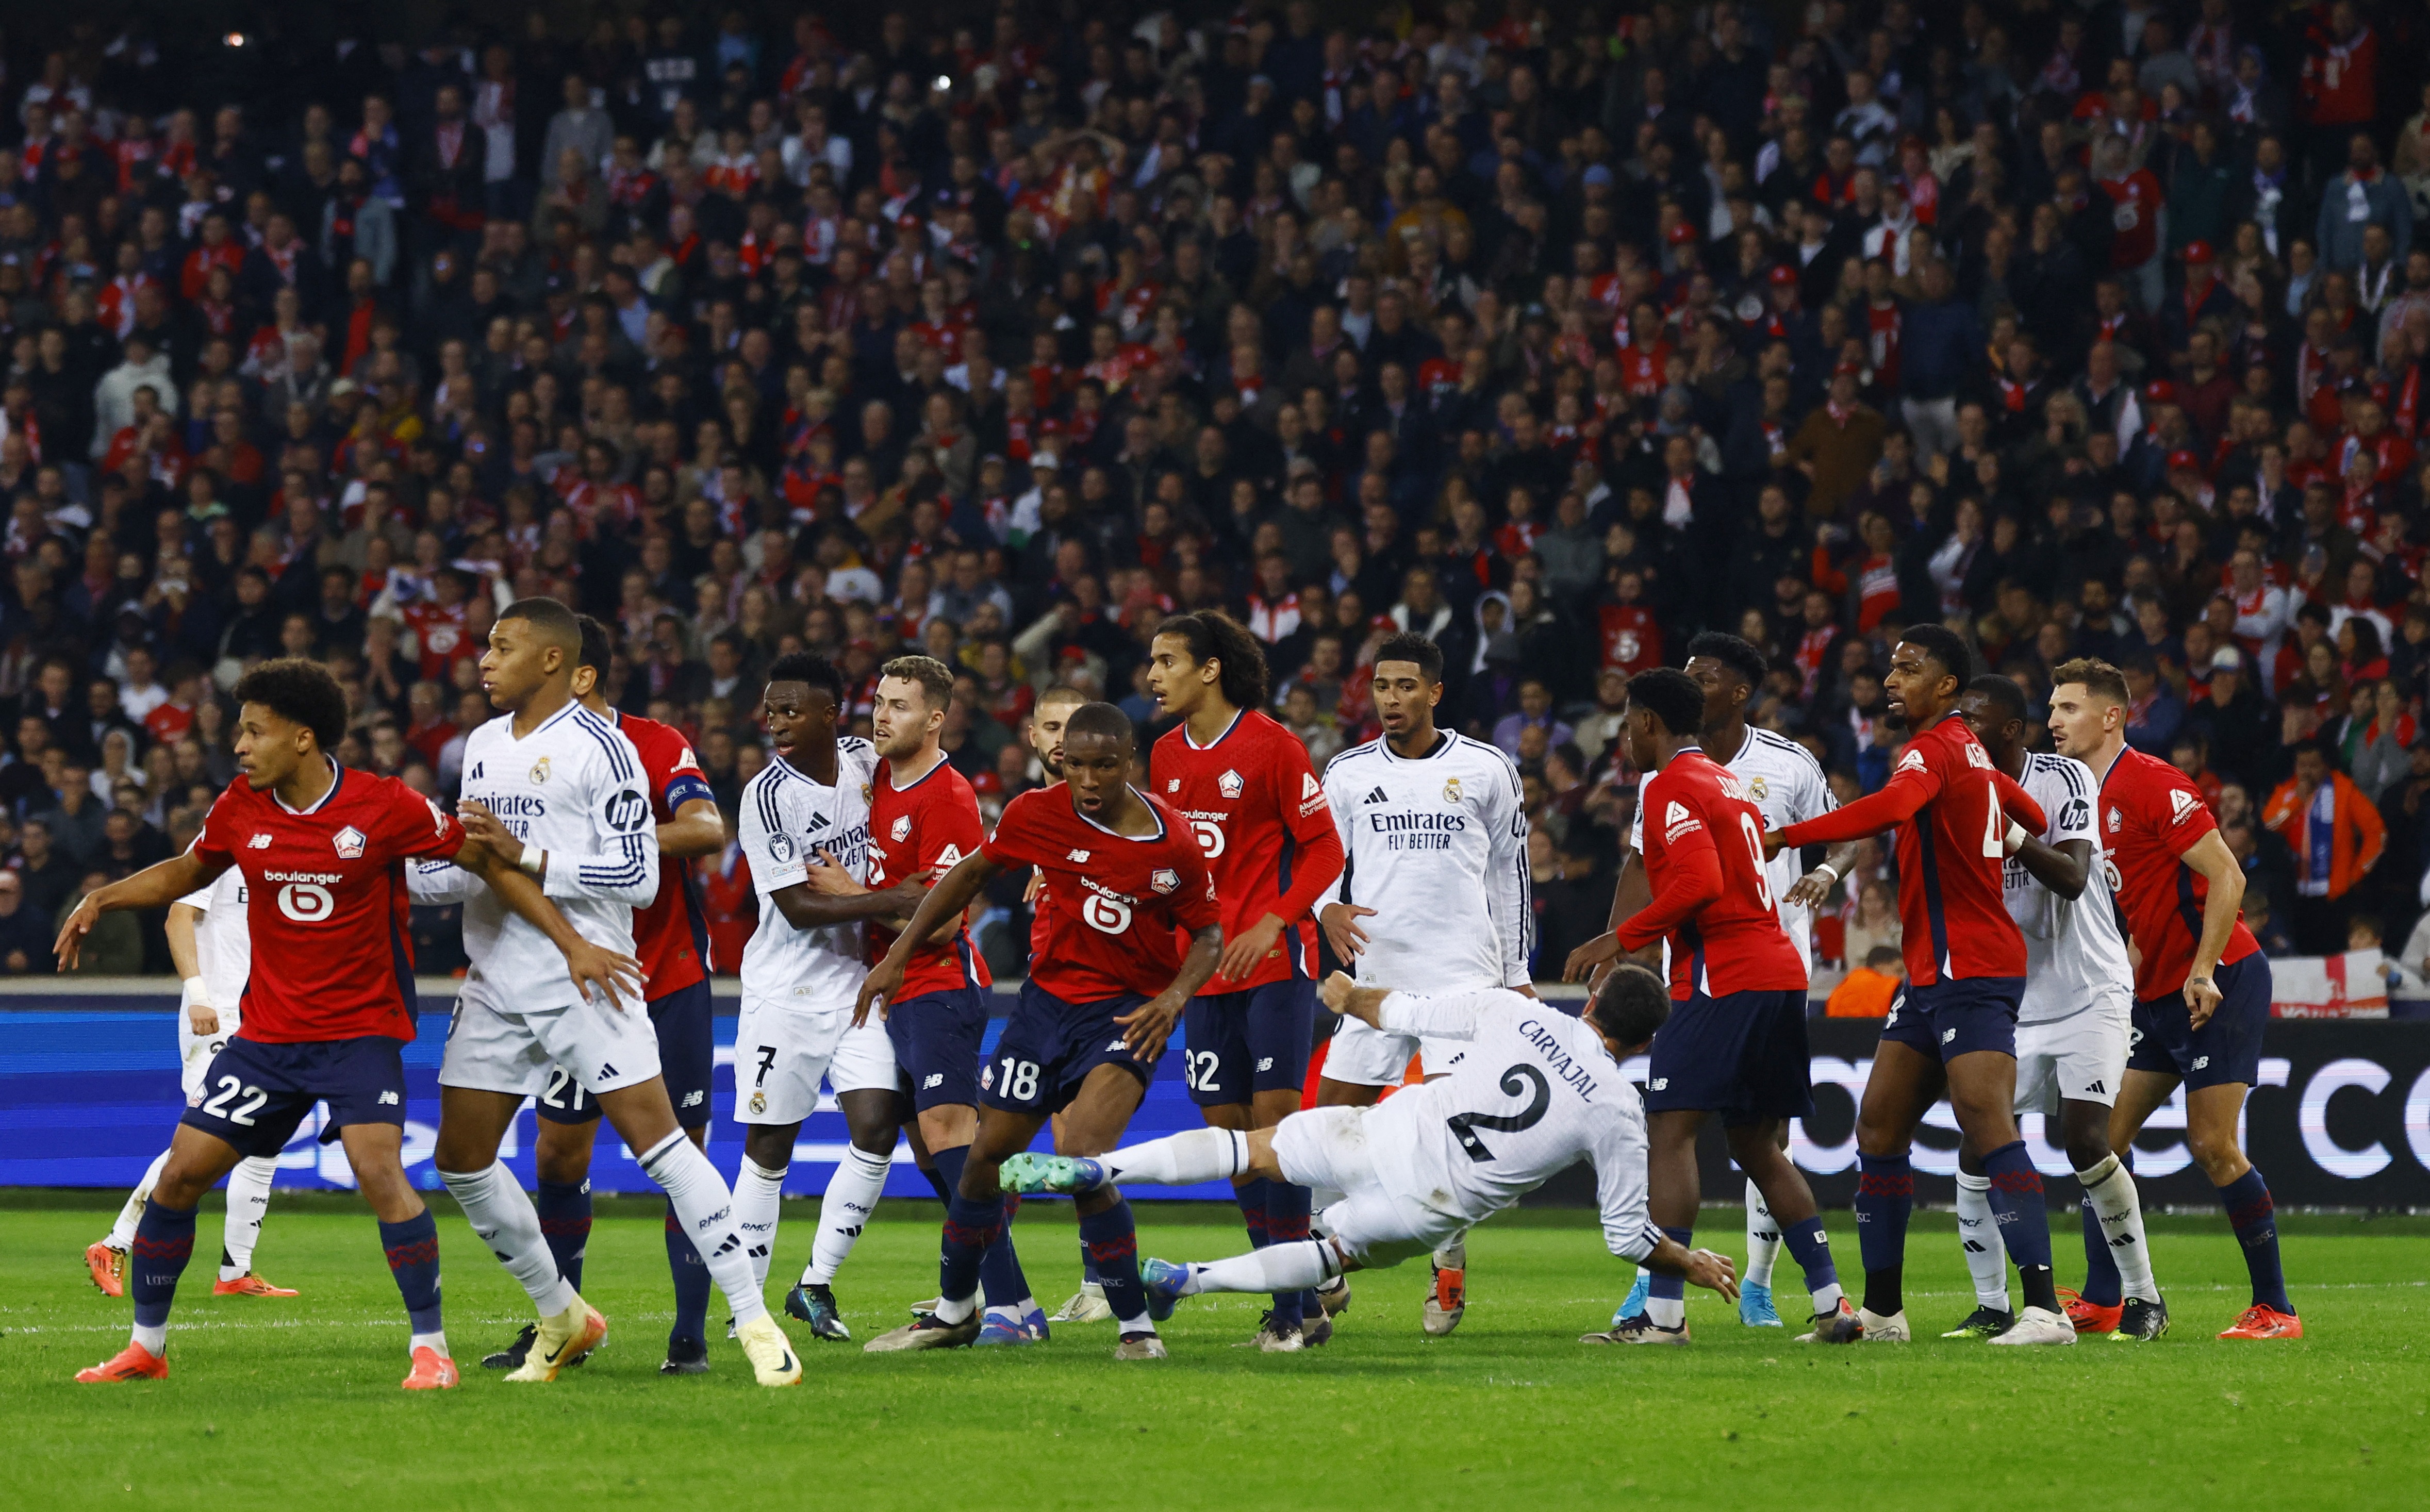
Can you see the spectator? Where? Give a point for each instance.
(1866, 991)
(2335, 836)
(26, 935)
(2357, 200)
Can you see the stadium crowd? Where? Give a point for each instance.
(1555, 332)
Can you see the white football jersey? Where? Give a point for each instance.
(1783, 779)
(1535, 1094)
(2076, 953)
(787, 819)
(574, 788)
(222, 942)
(1437, 847)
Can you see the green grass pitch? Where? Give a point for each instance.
(274, 1403)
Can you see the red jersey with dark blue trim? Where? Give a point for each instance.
(332, 955)
(1254, 804)
(2150, 814)
(671, 936)
(1701, 826)
(1112, 902)
(929, 824)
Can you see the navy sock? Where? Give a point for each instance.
(164, 1241)
(1251, 1195)
(2249, 1208)
(1000, 1274)
(2102, 1283)
(2024, 1226)
(972, 1224)
(565, 1223)
(1286, 1224)
(691, 1282)
(937, 1184)
(413, 1249)
(1884, 1201)
(1812, 1252)
(1111, 1241)
(1671, 1288)
(1089, 1276)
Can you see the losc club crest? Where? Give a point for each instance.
(902, 830)
(349, 841)
(1165, 879)
(1229, 784)
(540, 769)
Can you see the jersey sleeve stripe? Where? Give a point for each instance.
(619, 762)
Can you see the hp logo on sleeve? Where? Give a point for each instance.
(626, 811)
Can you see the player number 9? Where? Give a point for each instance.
(1210, 837)
(1755, 848)
(1106, 915)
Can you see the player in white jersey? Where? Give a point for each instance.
(807, 810)
(559, 793)
(1786, 783)
(211, 946)
(2072, 1035)
(1434, 829)
(1537, 1093)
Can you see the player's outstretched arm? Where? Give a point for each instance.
(1345, 997)
(1704, 1268)
(590, 965)
(1146, 1027)
(186, 959)
(830, 894)
(944, 901)
(628, 875)
(1894, 803)
(2210, 856)
(156, 887)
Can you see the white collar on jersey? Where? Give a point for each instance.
(1153, 813)
(1218, 739)
(337, 779)
(567, 711)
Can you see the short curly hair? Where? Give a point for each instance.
(302, 692)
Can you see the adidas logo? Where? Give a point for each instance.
(606, 1071)
(818, 822)
(733, 1242)
(2122, 1241)
(2095, 1087)
(1976, 1247)
(1376, 796)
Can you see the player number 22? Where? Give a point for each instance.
(231, 1089)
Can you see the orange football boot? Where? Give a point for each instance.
(133, 1363)
(432, 1371)
(2265, 1322)
(2092, 1317)
(107, 1268)
(249, 1285)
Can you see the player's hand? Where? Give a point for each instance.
(1335, 990)
(1341, 927)
(1713, 1272)
(595, 966)
(833, 878)
(486, 827)
(203, 1020)
(877, 989)
(1773, 843)
(2202, 999)
(1242, 955)
(1595, 954)
(1037, 882)
(1810, 889)
(70, 941)
(1146, 1027)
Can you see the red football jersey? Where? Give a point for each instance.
(1112, 902)
(670, 935)
(927, 825)
(1947, 800)
(2150, 813)
(1259, 813)
(1695, 808)
(332, 956)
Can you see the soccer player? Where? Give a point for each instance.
(1785, 781)
(807, 812)
(923, 818)
(1243, 785)
(673, 942)
(2201, 986)
(1953, 1027)
(328, 1004)
(561, 792)
(1539, 1091)
(1735, 1041)
(1435, 832)
(2071, 1033)
(212, 950)
(1124, 877)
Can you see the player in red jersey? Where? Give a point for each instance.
(1954, 1027)
(1734, 1042)
(672, 940)
(330, 1005)
(2202, 997)
(1123, 876)
(1243, 785)
(923, 818)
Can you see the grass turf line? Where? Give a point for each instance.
(274, 1398)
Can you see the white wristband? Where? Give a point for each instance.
(534, 860)
(2015, 840)
(1827, 870)
(196, 992)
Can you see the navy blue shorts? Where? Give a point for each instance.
(687, 1059)
(1246, 1042)
(2227, 1047)
(937, 1038)
(1049, 1048)
(1955, 1017)
(1743, 1056)
(254, 1094)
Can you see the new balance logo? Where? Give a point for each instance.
(1376, 796)
(1660, 1082)
(388, 1100)
(1265, 1063)
(1948, 1035)
(1118, 1044)
(1080, 856)
(606, 1071)
(692, 1099)
(935, 1079)
(259, 843)
(2200, 1061)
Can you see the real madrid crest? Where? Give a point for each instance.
(758, 1102)
(540, 769)
(1758, 788)
(1451, 789)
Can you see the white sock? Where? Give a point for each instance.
(1452, 1254)
(1298, 1266)
(1179, 1159)
(1016, 1311)
(1762, 1237)
(153, 1339)
(2111, 1187)
(122, 1233)
(430, 1341)
(1667, 1312)
(1141, 1325)
(248, 1200)
(1987, 1258)
(757, 1193)
(709, 1212)
(502, 1215)
(852, 1197)
(957, 1309)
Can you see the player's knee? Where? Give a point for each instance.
(558, 1162)
(2087, 1148)
(2214, 1151)
(768, 1146)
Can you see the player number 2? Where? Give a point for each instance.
(1210, 837)
(230, 1089)
(1755, 848)
(1515, 1081)
(1020, 1079)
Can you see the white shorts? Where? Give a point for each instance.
(1365, 1057)
(492, 1048)
(1327, 1147)
(195, 1052)
(781, 1055)
(2081, 1058)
